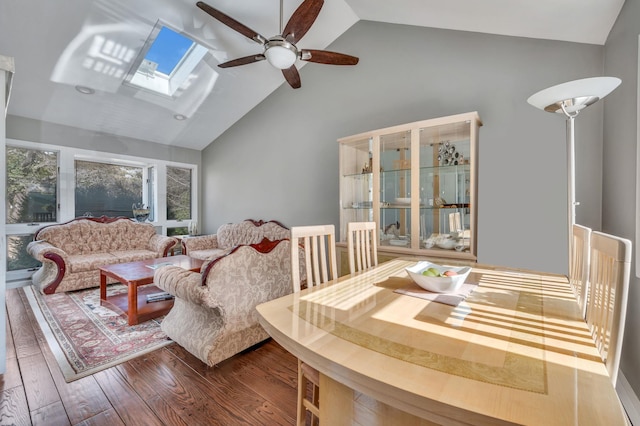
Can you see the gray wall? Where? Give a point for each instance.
(619, 164)
(39, 131)
(281, 160)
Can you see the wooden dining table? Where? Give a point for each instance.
(515, 351)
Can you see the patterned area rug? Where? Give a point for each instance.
(86, 337)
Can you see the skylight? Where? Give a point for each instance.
(168, 61)
(168, 49)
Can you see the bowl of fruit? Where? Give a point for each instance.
(438, 278)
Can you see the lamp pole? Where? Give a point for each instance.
(571, 173)
(569, 99)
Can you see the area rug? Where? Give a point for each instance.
(86, 337)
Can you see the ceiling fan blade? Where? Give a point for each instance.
(327, 57)
(232, 23)
(243, 61)
(301, 20)
(292, 76)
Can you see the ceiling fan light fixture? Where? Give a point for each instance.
(280, 53)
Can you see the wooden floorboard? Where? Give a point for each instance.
(168, 386)
(82, 399)
(53, 414)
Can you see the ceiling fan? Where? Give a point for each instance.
(280, 50)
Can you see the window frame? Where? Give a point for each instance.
(66, 191)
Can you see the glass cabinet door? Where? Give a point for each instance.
(445, 220)
(356, 185)
(395, 189)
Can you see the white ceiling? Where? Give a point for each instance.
(54, 45)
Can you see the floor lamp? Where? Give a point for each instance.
(569, 99)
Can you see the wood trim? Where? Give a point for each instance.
(62, 269)
(169, 247)
(261, 222)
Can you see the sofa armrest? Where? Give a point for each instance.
(246, 277)
(180, 282)
(54, 260)
(201, 242)
(161, 244)
(39, 248)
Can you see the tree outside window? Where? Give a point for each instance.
(178, 193)
(107, 189)
(31, 189)
(31, 197)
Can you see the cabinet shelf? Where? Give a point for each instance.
(358, 175)
(414, 162)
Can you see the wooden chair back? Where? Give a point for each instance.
(579, 265)
(319, 243)
(362, 245)
(608, 290)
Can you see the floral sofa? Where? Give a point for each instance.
(232, 234)
(72, 252)
(214, 315)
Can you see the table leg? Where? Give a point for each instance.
(133, 304)
(103, 287)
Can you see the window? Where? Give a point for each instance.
(31, 197)
(17, 256)
(32, 181)
(178, 193)
(91, 182)
(106, 189)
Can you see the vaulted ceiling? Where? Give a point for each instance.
(60, 45)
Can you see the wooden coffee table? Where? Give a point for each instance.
(136, 274)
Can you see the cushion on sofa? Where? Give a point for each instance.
(134, 255)
(66, 237)
(89, 262)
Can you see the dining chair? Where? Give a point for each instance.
(362, 245)
(610, 260)
(318, 243)
(579, 265)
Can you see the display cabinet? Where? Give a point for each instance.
(418, 182)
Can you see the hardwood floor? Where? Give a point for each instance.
(166, 387)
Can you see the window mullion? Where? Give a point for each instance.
(66, 176)
(161, 194)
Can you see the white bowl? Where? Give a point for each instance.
(438, 284)
(446, 243)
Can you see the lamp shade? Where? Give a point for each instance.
(280, 56)
(573, 95)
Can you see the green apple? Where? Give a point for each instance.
(431, 272)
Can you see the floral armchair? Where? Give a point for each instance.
(214, 315)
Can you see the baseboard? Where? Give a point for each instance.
(629, 399)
